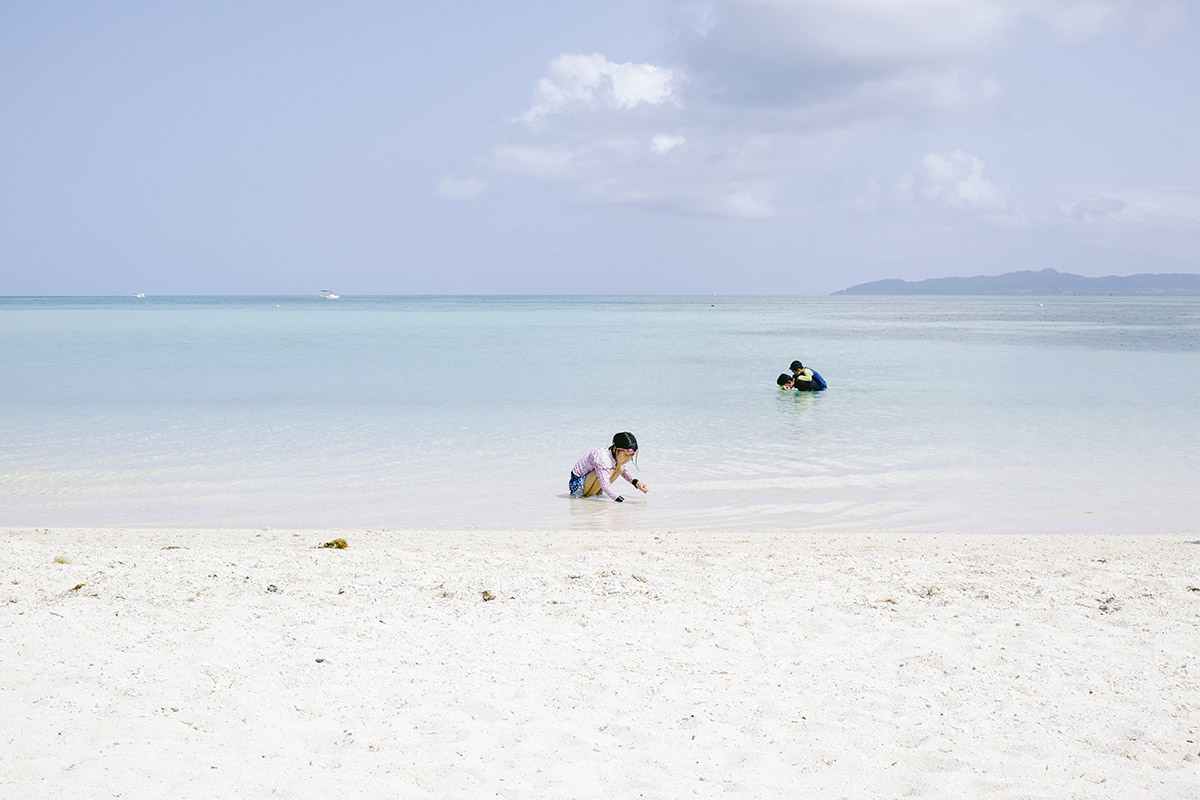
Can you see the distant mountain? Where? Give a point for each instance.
(1047, 281)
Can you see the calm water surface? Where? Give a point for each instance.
(943, 414)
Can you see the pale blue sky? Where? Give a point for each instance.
(735, 146)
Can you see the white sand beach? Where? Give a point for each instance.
(429, 664)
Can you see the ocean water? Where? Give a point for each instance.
(964, 414)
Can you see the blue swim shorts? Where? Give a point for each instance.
(576, 485)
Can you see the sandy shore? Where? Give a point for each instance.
(213, 664)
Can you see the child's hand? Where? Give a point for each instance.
(642, 485)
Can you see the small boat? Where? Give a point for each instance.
(139, 294)
(328, 295)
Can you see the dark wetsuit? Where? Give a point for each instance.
(805, 384)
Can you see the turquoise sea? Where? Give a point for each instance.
(971, 414)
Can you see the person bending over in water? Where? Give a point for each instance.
(596, 471)
(805, 380)
(786, 381)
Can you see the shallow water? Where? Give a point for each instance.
(973, 414)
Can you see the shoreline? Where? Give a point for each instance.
(214, 663)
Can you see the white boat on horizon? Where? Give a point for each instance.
(139, 294)
(328, 295)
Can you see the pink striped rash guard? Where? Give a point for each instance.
(602, 462)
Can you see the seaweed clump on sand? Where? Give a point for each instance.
(336, 544)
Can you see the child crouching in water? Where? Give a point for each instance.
(802, 379)
(596, 471)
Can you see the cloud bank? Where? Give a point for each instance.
(1162, 210)
(752, 105)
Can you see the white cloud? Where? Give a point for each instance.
(1160, 210)
(461, 189)
(1095, 208)
(575, 81)
(956, 179)
(662, 143)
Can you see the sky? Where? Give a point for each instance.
(790, 147)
